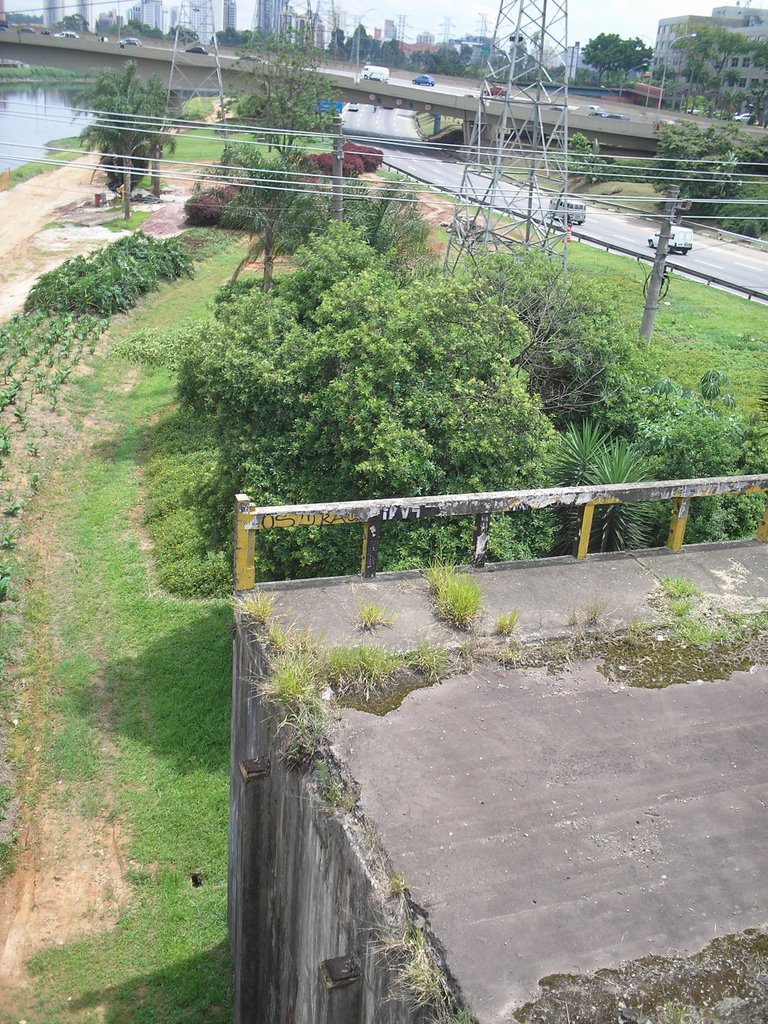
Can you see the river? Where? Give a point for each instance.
(30, 117)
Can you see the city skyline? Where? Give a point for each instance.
(586, 19)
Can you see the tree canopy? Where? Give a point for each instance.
(608, 52)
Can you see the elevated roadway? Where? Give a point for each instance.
(88, 53)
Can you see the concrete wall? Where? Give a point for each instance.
(302, 883)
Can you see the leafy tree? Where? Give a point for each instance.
(273, 202)
(372, 387)
(74, 23)
(608, 52)
(121, 131)
(284, 92)
(576, 355)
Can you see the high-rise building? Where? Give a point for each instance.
(152, 13)
(390, 31)
(268, 16)
(229, 15)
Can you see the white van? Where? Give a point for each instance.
(375, 73)
(680, 240)
(572, 211)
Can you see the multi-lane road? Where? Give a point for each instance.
(739, 264)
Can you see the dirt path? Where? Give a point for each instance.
(28, 249)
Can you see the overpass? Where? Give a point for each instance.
(88, 53)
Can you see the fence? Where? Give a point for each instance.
(374, 514)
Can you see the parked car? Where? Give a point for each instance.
(128, 41)
(197, 48)
(423, 80)
(680, 240)
(745, 118)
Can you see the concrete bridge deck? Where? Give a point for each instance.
(559, 821)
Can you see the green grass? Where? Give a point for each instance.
(136, 219)
(371, 616)
(457, 597)
(105, 650)
(697, 328)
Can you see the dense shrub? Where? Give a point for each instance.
(351, 167)
(205, 208)
(110, 280)
(371, 157)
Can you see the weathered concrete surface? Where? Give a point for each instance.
(547, 592)
(560, 823)
(556, 822)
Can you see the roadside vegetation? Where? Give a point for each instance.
(61, 150)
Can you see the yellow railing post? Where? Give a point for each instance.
(245, 545)
(762, 530)
(678, 523)
(585, 529)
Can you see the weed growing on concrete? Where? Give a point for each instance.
(294, 686)
(429, 660)
(673, 1013)
(360, 669)
(594, 612)
(457, 597)
(371, 616)
(419, 976)
(258, 607)
(684, 602)
(510, 654)
(505, 624)
(331, 788)
(397, 886)
(678, 586)
(573, 617)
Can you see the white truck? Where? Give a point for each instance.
(572, 211)
(680, 240)
(375, 73)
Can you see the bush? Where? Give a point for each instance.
(110, 280)
(352, 166)
(371, 157)
(206, 208)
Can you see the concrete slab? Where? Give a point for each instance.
(558, 823)
(548, 594)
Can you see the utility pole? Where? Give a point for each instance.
(337, 187)
(659, 266)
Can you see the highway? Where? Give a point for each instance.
(739, 264)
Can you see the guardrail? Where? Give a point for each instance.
(374, 514)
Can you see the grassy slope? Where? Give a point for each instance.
(157, 670)
(697, 328)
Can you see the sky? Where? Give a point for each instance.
(586, 18)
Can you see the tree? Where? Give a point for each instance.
(374, 387)
(274, 202)
(608, 52)
(285, 92)
(127, 128)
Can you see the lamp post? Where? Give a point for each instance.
(678, 39)
(358, 27)
(640, 67)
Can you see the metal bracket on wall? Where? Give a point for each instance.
(339, 972)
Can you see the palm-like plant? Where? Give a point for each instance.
(587, 455)
(126, 130)
(275, 204)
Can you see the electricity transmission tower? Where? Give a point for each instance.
(516, 172)
(195, 25)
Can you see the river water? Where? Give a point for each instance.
(30, 117)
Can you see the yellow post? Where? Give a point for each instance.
(678, 523)
(585, 528)
(245, 544)
(762, 530)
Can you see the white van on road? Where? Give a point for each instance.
(375, 73)
(572, 211)
(680, 240)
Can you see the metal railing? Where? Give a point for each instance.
(375, 513)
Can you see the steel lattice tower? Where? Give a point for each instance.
(195, 20)
(517, 161)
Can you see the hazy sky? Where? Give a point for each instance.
(587, 18)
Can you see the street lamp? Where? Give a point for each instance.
(359, 18)
(640, 67)
(678, 39)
